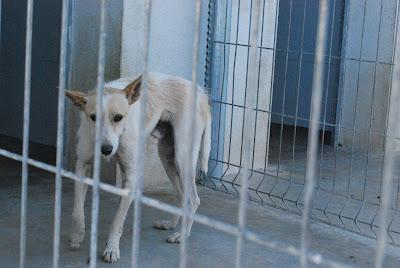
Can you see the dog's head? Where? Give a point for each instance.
(114, 112)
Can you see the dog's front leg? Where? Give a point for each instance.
(77, 232)
(112, 253)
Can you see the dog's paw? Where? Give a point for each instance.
(111, 254)
(76, 238)
(174, 238)
(164, 225)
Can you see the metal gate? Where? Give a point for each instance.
(330, 162)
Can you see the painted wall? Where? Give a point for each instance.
(229, 84)
(45, 64)
(366, 83)
(171, 38)
(171, 42)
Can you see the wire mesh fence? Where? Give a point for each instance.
(252, 154)
(352, 127)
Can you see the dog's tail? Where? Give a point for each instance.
(205, 147)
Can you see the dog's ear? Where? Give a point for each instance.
(132, 91)
(78, 98)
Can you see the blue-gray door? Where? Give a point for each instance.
(294, 63)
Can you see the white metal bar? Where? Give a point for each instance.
(249, 123)
(387, 178)
(99, 121)
(267, 150)
(140, 149)
(392, 147)
(316, 99)
(60, 131)
(50, 168)
(190, 126)
(25, 149)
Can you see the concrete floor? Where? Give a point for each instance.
(348, 185)
(207, 247)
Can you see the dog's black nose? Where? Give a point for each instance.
(106, 149)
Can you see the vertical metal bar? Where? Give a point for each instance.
(355, 117)
(298, 91)
(25, 148)
(327, 93)
(60, 131)
(249, 123)
(233, 87)
(391, 150)
(297, 103)
(371, 117)
(387, 177)
(99, 120)
(339, 110)
(215, 71)
(316, 99)
(324, 122)
(190, 126)
(245, 96)
(139, 155)
(258, 85)
(219, 112)
(210, 45)
(257, 98)
(266, 160)
(284, 89)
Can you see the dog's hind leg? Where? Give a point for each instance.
(77, 232)
(187, 172)
(166, 152)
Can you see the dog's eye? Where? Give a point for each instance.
(118, 117)
(93, 117)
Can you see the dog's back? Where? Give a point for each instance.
(169, 95)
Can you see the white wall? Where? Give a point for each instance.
(368, 44)
(171, 37)
(236, 75)
(172, 25)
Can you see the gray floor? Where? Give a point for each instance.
(207, 247)
(348, 183)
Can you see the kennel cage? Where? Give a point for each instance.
(354, 118)
(262, 149)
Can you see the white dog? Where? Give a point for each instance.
(167, 113)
